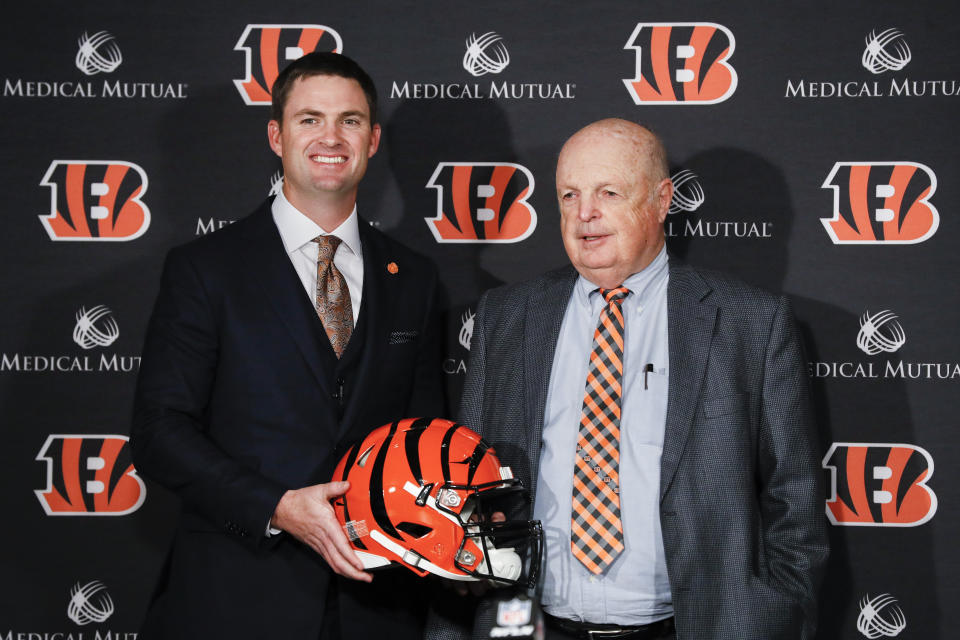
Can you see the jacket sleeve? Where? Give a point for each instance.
(791, 496)
(168, 436)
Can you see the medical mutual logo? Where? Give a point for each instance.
(885, 51)
(886, 54)
(880, 333)
(687, 192)
(880, 617)
(689, 196)
(486, 54)
(98, 59)
(95, 328)
(484, 58)
(89, 603)
(98, 53)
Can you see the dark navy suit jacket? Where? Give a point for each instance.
(239, 399)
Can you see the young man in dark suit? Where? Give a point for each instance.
(274, 344)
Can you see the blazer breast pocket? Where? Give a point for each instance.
(403, 337)
(725, 405)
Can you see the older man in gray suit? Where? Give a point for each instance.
(660, 416)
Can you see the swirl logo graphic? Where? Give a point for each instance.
(98, 53)
(95, 328)
(84, 609)
(886, 51)
(880, 332)
(687, 192)
(880, 616)
(466, 329)
(486, 54)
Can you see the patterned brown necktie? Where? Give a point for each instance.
(333, 296)
(596, 536)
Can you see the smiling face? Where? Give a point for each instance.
(325, 140)
(613, 200)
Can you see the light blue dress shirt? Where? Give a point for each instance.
(635, 589)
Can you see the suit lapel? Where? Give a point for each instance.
(544, 315)
(690, 324)
(271, 268)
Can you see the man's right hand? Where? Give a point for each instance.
(307, 515)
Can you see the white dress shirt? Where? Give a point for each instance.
(298, 231)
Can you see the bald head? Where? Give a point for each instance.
(614, 190)
(642, 148)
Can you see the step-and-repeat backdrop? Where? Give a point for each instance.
(814, 152)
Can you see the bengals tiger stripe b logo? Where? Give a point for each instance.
(269, 47)
(95, 200)
(881, 203)
(89, 475)
(482, 202)
(681, 63)
(879, 485)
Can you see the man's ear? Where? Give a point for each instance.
(374, 140)
(273, 136)
(664, 197)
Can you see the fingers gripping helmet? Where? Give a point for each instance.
(422, 494)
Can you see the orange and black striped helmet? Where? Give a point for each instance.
(428, 494)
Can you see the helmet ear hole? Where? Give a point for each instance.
(414, 529)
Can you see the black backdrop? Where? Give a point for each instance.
(134, 125)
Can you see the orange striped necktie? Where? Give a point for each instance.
(333, 296)
(596, 535)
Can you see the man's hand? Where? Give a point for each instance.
(307, 515)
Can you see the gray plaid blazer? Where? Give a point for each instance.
(741, 503)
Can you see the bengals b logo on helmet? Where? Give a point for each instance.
(95, 200)
(269, 47)
(879, 485)
(681, 63)
(881, 203)
(482, 202)
(89, 475)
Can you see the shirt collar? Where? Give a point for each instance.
(297, 230)
(641, 284)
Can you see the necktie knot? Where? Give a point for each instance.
(614, 295)
(328, 246)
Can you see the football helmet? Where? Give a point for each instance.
(423, 493)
